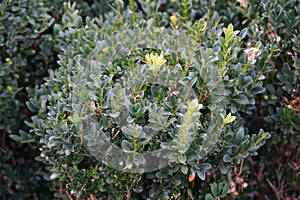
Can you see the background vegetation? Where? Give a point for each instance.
(41, 40)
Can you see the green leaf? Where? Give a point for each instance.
(55, 175)
(228, 119)
(239, 136)
(161, 174)
(245, 80)
(214, 189)
(205, 166)
(182, 158)
(243, 32)
(225, 190)
(258, 89)
(209, 197)
(226, 158)
(201, 174)
(222, 42)
(240, 99)
(139, 159)
(78, 22)
(127, 146)
(15, 137)
(224, 167)
(184, 169)
(138, 189)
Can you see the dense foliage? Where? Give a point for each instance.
(28, 49)
(202, 83)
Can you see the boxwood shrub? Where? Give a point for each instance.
(148, 81)
(153, 100)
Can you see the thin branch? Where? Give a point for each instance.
(277, 193)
